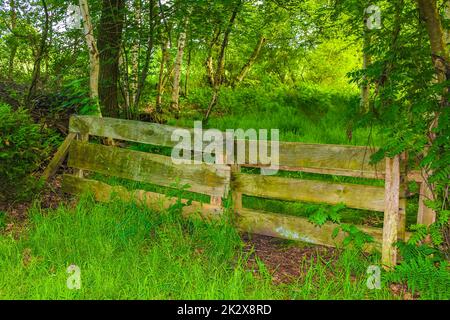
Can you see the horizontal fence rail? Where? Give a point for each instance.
(104, 192)
(352, 195)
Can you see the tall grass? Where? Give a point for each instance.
(126, 251)
(307, 113)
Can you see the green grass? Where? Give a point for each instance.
(307, 113)
(125, 251)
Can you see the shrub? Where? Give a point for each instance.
(24, 145)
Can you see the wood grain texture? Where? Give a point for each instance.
(411, 175)
(58, 158)
(352, 195)
(425, 215)
(145, 167)
(129, 130)
(105, 193)
(341, 160)
(391, 212)
(84, 137)
(296, 228)
(331, 158)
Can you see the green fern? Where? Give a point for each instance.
(431, 280)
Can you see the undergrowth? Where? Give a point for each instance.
(126, 251)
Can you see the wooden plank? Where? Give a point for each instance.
(84, 137)
(412, 175)
(402, 203)
(353, 195)
(215, 200)
(296, 228)
(391, 212)
(105, 193)
(58, 158)
(236, 194)
(145, 167)
(331, 158)
(425, 215)
(130, 130)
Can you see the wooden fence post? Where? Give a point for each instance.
(425, 215)
(235, 195)
(217, 200)
(391, 212)
(85, 138)
(401, 228)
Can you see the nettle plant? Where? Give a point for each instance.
(24, 145)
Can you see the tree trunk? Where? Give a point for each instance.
(144, 72)
(94, 64)
(251, 61)
(109, 43)
(124, 81)
(39, 55)
(164, 59)
(188, 73)
(365, 87)
(209, 60)
(218, 79)
(177, 69)
(440, 57)
(13, 52)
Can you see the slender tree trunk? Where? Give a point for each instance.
(164, 59)
(94, 64)
(177, 69)
(209, 60)
(124, 81)
(365, 87)
(188, 73)
(218, 79)
(109, 44)
(251, 61)
(440, 58)
(135, 50)
(150, 42)
(13, 52)
(39, 55)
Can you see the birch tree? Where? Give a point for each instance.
(94, 63)
(177, 68)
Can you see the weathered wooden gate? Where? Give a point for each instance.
(217, 180)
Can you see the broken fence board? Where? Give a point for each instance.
(58, 158)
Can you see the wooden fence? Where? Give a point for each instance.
(219, 180)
